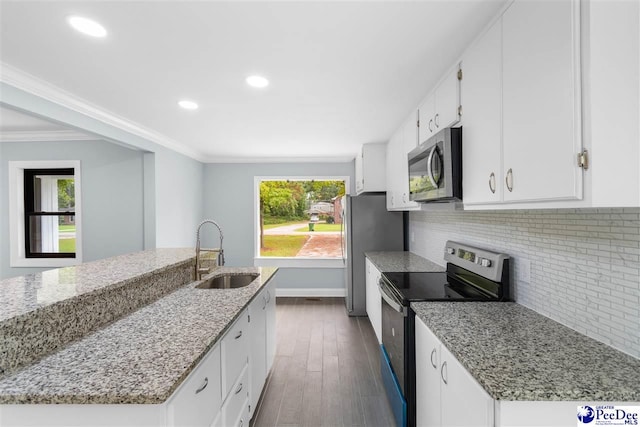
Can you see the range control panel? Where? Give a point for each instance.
(483, 262)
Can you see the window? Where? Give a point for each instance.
(44, 213)
(299, 221)
(49, 204)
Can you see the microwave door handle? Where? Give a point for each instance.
(429, 170)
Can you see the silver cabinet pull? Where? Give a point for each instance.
(435, 120)
(239, 334)
(204, 385)
(239, 388)
(430, 123)
(443, 373)
(268, 296)
(264, 302)
(492, 182)
(509, 180)
(433, 352)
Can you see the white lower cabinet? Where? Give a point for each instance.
(271, 325)
(261, 316)
(197, 401)
(235, 410)
(443, 385)
(373, 301)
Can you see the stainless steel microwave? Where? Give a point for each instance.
(435, 168)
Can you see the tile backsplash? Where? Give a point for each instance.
(579, 267)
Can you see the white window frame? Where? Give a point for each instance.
(16, 213)
(298, 262)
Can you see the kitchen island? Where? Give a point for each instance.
(141, 358)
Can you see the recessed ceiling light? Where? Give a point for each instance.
(188, 105)
(257, 81)
(87, 26)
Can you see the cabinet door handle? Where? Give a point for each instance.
(264, 302)
(435, 120)
(435, 365)
(239, 334)
(239, 388)
(241, 422)
(509, 180)
(404, 197)
(268, 296)
(443, 369)
(492, 182)
(204, 385)
(430, 123)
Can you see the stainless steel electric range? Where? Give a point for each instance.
(472, 274)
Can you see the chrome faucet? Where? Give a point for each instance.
(204, 270)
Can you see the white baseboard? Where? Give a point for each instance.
(311, 292)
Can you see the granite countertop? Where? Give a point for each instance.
(516, 354)
(141, 358)
(402, 262)
(24, 294)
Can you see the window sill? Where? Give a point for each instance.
(45, 262)
(298, 262)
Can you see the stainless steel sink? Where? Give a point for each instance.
(228, 281)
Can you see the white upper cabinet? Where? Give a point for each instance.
(370, 168)
(403, 140)
(482, 178)
(441, 108)
(541, 101)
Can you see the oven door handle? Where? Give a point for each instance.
(395, 305)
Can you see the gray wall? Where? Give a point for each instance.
(229, 200)
(584, 269)
(177, 181)
(112, 195)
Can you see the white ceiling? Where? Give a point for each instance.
(342, 73)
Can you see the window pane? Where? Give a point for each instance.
(298, 218)
(52, 234)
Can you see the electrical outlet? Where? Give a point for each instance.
(524, 270)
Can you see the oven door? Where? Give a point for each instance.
(394, 315)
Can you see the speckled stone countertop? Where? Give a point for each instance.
(141, 358)
(401, 262)
(518, 354)
(23, 294)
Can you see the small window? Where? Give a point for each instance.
(49, 204)
(44, 213)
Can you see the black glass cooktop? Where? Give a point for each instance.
(434, 286)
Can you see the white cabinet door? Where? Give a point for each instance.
(426, 113)
(394, 153)
(447, 101)
(427, 376)
(257, 348)
(197, 401)
(440, 109)
(373, 299)
(235, 352)
(409, 142)
(457, 385)
(482, 119)
(271, 324)
(371, 168)
(541, 100)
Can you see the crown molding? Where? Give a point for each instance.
(36, 86)
(45, 135)
(217, 159)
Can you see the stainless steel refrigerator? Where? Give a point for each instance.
(367, 227)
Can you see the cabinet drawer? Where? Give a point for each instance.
(197, 401)
(236, 407)
(235, 352)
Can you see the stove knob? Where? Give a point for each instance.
(485, 262)
(451, 251)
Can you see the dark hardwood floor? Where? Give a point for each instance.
(326, 371)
